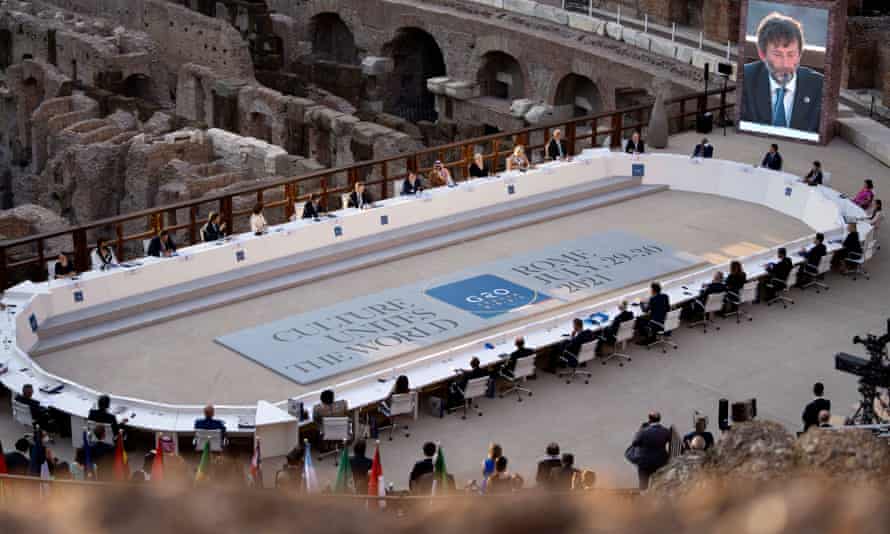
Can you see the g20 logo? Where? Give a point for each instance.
(488, 295)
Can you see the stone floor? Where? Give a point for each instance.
(775, 358)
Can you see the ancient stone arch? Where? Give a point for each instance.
(416, 58)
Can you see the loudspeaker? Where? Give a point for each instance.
(704, 122)
(723, 414)
(742, 411)
(724, 69)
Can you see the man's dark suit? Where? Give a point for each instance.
(102, 456)
(553, 149)
(815, 254)
(781, 270)
(630, 147)
(757, 104)
(420, 468)
(814, 178)
(17, 463)
(611, 331)
(658, 307)
(367, 200)
(410, 189)
(811, 412)
(155, 248)
(772, 161)
(209, 423)
(545, 467)
(515, 355)
(310, 210)
(703, 151)
(101, 416)
(653, 441)
(360, 465)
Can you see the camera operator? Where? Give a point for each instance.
(811, 412)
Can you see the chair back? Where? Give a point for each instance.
(588, 351)
(826, 178)
(21, 412)
(714, 302)
(91, 427)
(869, 249)
(525, 366)
(748, 293)
(214, 437)
(344, 198)
(335, 428)
(401, 404)
(625, 332)
(672, 321)
(145, 245)
(791, 281)
(50, 267)
(824, 265)
(476, 387)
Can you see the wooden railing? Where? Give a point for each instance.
(25, 258)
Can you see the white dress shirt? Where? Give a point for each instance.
(790, 89)
(257, 223)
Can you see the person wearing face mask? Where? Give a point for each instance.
(777, 90)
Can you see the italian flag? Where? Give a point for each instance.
(440, 473)
(204, 465)
(120, 469)
(157, 466)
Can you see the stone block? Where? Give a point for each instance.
(461, 89)
(663, 47)
(642, 40)
(629, 35)
(684, 53)
(525, 7)
(614, 30)
(343, 124)
(520, 107)
(539, 113)
(437, 85)
(585, 23)
(551, 13)
(376, 66)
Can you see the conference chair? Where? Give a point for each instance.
(586, 354)
(517, 378)
(91, 427)
(336, 430)
(344, 199)
(145, 244)
(214, 437)
(663, 335)
(743, 298)
(782, 292)
(713, 303)
(826, 178)
(475, 388)
(856, 261)
(624, 335)
(817, 274)
(21, 413)
(398, 405)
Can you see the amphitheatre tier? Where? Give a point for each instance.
(179, 362)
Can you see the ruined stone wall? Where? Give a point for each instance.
(867, 56)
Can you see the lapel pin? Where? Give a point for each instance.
(806, 100)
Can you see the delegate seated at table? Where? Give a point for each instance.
(812, 257)
(162, 245)
(517, 160)
(571, 347)
(851, 247)
(101, 415)
(478, 168)
(209, 423)
(412, 184)
(311, 209)
(735, 281)
(440, 176)
(459, 384)
(657, 307)
(610, 333)
(814, 177)
(777, 274)
(556, 148)
(359, 198)
(635, 145)
(102, 257)
(213, 230)
(694, 310)
(63, 268)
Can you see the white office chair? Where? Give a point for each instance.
(214, 437)
(817, 274)
(50, 268)
(524, 368)
(663, 336)
(857, 261)
(782, 295)
(337, 430)
(22, 414)
(476, 388)
(344, 198)
(743, 298)
(401, 404)
(826, 178)
(145, 245)
(91, 427)
(622, 338)
(713, 303)
(586, 354)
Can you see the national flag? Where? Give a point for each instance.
(204, 465)
(376, 484)
(309, 477)
(3, 468)
(44, 475)
(87, 460)
(344, 473)
(38, 455)
(440, 473)
(157, 466)
(120, 469)
(256, 466)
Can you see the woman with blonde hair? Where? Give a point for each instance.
(518, 160)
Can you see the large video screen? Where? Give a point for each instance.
(784, 69)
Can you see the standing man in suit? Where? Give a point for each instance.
(635, 145)
(772, 159)
(654, 440)
(703, 150)
(811, 412)
(360, 198)
(556, 148)
(102, 415)
(39, 414)
(777, 90)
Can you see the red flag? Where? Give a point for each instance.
(157, 466)
(376, 485)
(120, 469)
(3, 468)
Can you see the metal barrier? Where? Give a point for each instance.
(25, 258)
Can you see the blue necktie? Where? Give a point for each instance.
(779, 111)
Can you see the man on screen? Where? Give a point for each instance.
(777, 90)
